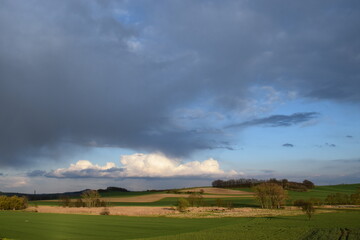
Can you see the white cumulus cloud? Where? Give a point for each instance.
(143, 165)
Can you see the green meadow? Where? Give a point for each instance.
(322, 191)
(338, 224)
(34, 226)
(327, 226)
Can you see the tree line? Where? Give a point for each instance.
(251, 182)
(13, 203)
(195, 199)
(89, 198)
(343, 199)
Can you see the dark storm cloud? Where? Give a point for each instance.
(70, 76)
(112, 72)
(88, 173)
(277, 120)
(311, 47)
(36, 173)
(288, 145)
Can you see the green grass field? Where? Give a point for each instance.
(328, 226)
(322, 191)
(34, 226)
(318, 192)
(343, 224)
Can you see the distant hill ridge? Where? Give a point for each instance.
(52, 196)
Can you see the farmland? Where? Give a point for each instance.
(151, 215)
(239, 198)
(33, 226)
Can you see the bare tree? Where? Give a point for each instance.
(195, 199)
(270, 195)
(65, 201)
(91, 198)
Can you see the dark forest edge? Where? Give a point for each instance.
(252, 182)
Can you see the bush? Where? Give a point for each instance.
(105, 211)
(79, 203)
(355, 198)
(338, 199)
(343, 199)
(195, 199)
(13, 203)
(299, 202)
(89, 198)
(65, 201)
(229, 205)
(317, 201)
(308, 184)
(182, 204)
(306, 206)
(219, 202)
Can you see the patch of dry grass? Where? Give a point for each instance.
(193, 212)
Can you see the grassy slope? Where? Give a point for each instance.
(323, 191)
(318, 192)
(31, 226)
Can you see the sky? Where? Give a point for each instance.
(167, 94)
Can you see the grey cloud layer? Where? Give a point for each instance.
(113, 72)
(277, 120)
